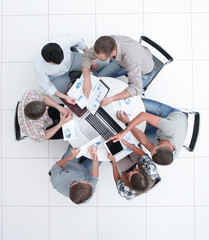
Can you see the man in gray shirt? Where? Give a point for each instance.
(165, 134)
(125, 53)
(74, 179)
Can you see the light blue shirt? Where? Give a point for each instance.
(174, 129)
(62, 178)
(44, 69)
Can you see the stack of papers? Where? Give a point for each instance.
(96, 142)
(125, 105)
(97, 93)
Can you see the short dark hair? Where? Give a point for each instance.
(163, 156)
(105, 44)
(35, 110)
(139, 181)
(52, 52)
(80, 192)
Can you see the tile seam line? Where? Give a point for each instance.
(1, 127)
(100, 13)
(102, 206)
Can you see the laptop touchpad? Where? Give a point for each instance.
(88, 130)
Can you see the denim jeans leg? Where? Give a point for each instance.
(147, 78)
(61, 82)
(87, 163)
(76, 60)
(112, 70)
(101, 65)
(150, 132)
(67, 151)
(157, 108)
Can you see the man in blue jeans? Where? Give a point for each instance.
(74, 178)
(127, 56)
(165, 133)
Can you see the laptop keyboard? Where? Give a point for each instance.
(99, 126)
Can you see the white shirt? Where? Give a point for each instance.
(43, 68)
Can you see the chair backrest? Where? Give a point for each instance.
(193, 129)
(158, 63)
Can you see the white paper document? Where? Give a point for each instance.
(71, 129)
(96, 142)
(98, 92)
(126, 105)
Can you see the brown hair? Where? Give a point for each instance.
(35, 110)
(80, 192)
(163, 156)
(139, 181)
(105, 44)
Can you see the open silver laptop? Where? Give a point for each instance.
(99, 124)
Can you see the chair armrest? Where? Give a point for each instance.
(158, 47)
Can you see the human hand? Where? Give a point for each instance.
(66, 118)
(105, 101)
(94, 65)
(70, 100)
(73, 153)
(118, 136)
(87, 88)
(93, 153)
(111, 157)
(122, 116)
(64, 111)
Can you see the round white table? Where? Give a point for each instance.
(136, 105)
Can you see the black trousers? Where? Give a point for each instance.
(55, 116)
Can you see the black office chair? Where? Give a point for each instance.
(193, 119)
(74, 74)
(158, 63)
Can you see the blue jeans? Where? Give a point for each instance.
(147, 78)
(87, 163)
(63, 81)
(114, 70)
(159, 109)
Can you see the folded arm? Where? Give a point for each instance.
(50, 102)
(65, 118)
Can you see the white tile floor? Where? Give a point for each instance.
(179, 207)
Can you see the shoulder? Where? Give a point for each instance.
(33, 95)
(149, 166)
(39, 63)
(177, 115)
